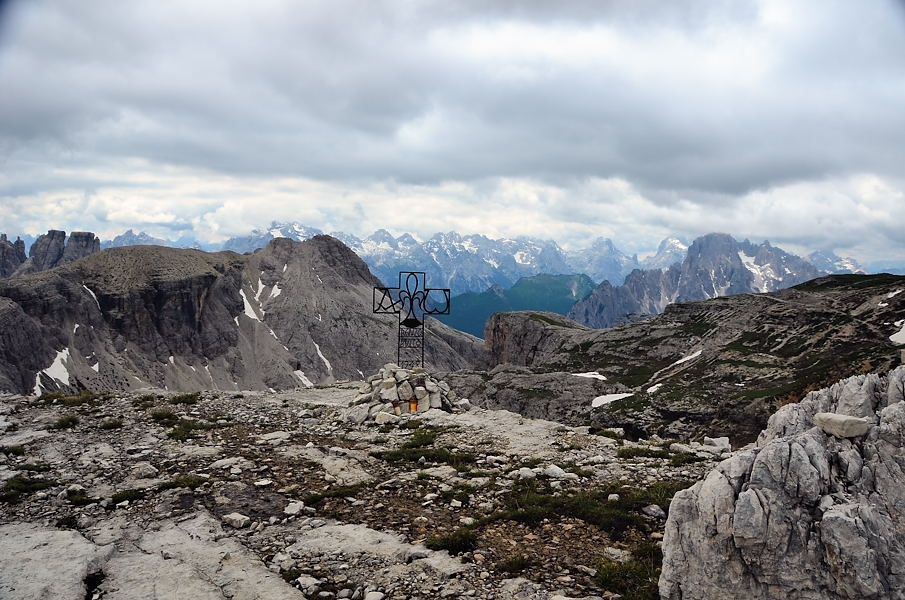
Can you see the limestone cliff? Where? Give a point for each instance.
(12, 254)
(813, 511)
(54, 249)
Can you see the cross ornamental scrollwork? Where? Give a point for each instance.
(412, 301)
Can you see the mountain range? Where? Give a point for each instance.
(465, 263)
(475, 263)
(518, 274)
(293, 314)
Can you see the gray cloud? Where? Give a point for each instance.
(692, 104)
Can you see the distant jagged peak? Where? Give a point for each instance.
(672, 250)
(130, 238)
(828, 261)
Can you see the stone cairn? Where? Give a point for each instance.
(395, 391)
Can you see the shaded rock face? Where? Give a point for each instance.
(53, 249)
(12, 254)
(803, 514)
(558, 396)
(293, 314)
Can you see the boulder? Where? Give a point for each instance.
(802, 514)
(842, 425)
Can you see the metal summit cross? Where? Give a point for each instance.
(412, 301)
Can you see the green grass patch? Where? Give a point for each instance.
(186, 398)
(164, 416)
(185, 429)
(20, 485)
(111, 423)
(67, 522)
(72, 400)
(65, 422)
(38, 467)
(461, 540)
(635, 579)
(144, 401)
(130, 495)
(457, 460)
(641, 452)
(182, 481)
(79, 498)
(422, 438)
(532, 502)
(337, 492)
(683, 458)
(515, 564)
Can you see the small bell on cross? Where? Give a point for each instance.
(411, 321)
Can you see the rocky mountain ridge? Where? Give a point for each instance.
(715, 265)
(12, 254)
(293, 314)
(48, 251)
(475, 263)
(716, 367)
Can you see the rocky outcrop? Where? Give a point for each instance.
(560, 396)
(719, 367)
(12, 254)
(53, 249)
(813, 511)
(293, 314)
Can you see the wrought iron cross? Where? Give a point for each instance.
(412, 301)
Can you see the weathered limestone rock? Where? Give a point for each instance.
(43, 562)
(808, 513)
(842, 425)
(236, 520)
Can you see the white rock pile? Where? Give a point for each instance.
(395, 391)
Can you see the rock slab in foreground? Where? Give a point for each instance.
(804, 514)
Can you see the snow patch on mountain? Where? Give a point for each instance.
(688, 358)
(591, 375)
(57, 370)
(899, 337)
(249, 309)
(323, 358)
(764, 275)
(607, 399)
(87, 289)
(305, 381)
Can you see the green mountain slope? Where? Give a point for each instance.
(550, 293)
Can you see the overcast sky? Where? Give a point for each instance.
(634, 120)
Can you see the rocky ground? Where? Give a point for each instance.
(282, 495)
